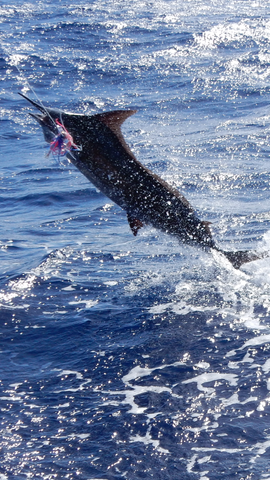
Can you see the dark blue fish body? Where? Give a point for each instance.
(107, 161)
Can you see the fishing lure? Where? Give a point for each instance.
(62, 142)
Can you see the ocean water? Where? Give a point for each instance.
(123, 357)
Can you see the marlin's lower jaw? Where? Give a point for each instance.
(48, 126)
(47, 118)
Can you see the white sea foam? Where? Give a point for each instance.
(78, 375)
(135, 390)
(132, 391)
(139, 372)
(216, 449)
(88, 303)
(148, 440)
(70, 288)
(234, 399)
(260, 340)
(191, 463)
(211, 377)
(266, 366)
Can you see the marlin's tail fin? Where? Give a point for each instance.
(243, 256)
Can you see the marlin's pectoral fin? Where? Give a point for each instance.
(134, 224)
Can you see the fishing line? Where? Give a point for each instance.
(14, 63)
(62, 143)
(35, 94)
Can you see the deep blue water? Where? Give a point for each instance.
(123, 357)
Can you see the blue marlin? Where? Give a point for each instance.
(107, 161)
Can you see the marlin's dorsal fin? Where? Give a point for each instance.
(114, 120)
